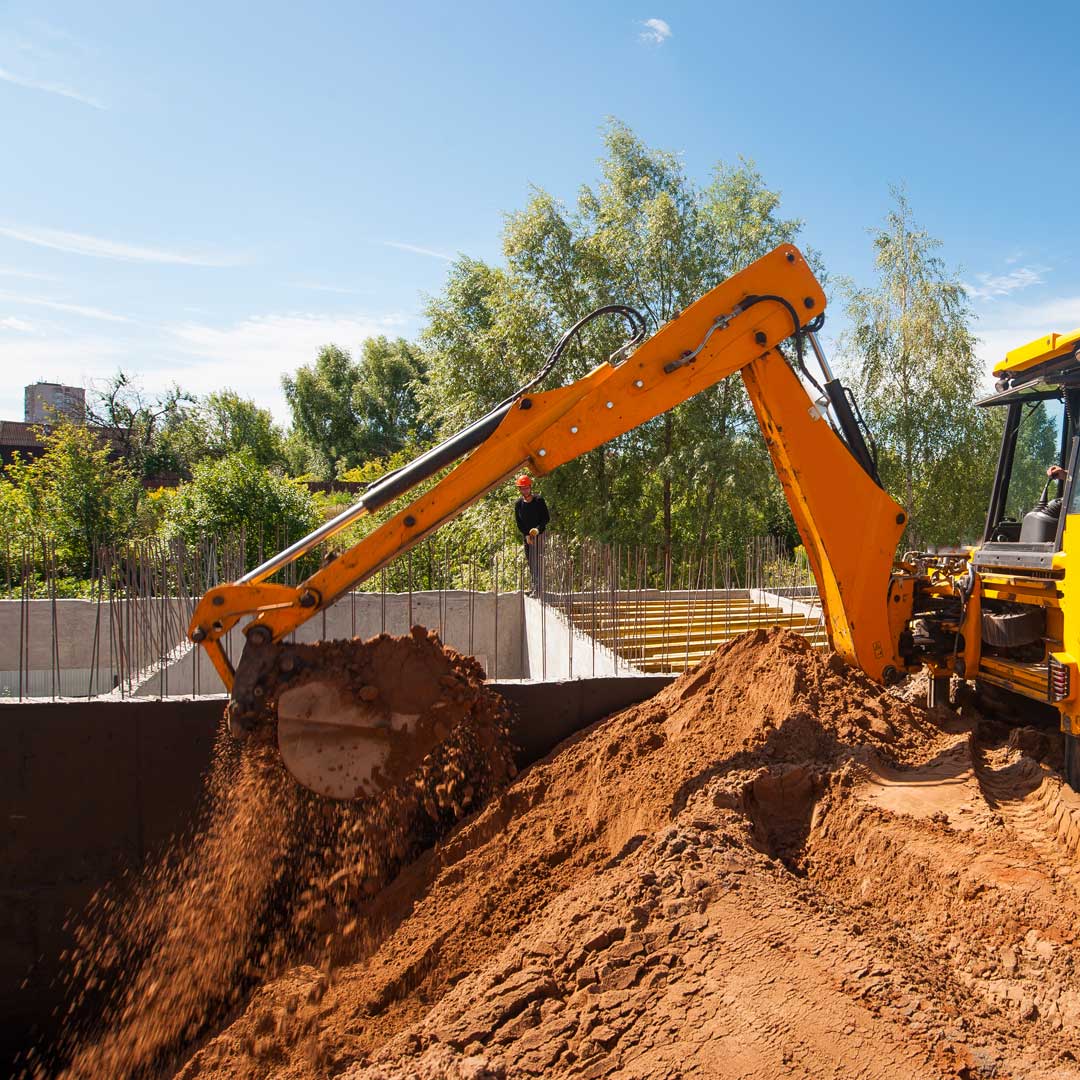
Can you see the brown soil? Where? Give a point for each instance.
(773, 868)
(276, 874)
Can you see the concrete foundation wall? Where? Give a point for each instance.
(67, 683)
(513, 636)
(88, 791)
(478, 624)
(74, 635)
(557, 650)
(80, 634)
(91, 789)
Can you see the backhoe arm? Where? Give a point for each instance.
(848, 524)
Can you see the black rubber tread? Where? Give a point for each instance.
(1006, 629)
(1072, 761)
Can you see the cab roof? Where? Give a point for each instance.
(1035, 353)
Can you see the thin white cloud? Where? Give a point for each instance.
(1010, 325)
(253, 354)
(293, 338)
(417, 250)
(21, 326)
(318, 286)
(654, 32)
(100, 248)
(82, 310)
(992, 285)
(249, 356)
(50, 88)
(28, 275)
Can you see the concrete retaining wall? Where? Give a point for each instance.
(79, 633)
(74, 635)
(513, 636)
(478, 624)
(90, 789)
(557, 650)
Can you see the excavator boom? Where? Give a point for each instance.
(849, 525)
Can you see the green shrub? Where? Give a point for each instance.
(235, 495)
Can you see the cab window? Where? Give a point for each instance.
(1038, 445)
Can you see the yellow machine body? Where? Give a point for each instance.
(1035, 354)
(1026, 576)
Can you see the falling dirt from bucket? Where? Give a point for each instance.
(274, 874)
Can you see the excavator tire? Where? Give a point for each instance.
(1071, 755)
(1013, 628)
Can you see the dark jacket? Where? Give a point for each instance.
(531, 515)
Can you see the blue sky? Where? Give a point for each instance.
(206, 192)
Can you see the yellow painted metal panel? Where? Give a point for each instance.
(1040, 351)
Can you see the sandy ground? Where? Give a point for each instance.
(772, 869)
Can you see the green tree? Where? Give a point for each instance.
(320, 399)
(71, 497)
(646, 236)
(348, 411)
(138, 425)
(385, 397)
(917, 379)
(236, 494)
(223, 423)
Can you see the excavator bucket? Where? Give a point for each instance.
(353, 718)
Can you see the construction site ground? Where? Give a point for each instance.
(774, 868)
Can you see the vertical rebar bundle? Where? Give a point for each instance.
(597, 609)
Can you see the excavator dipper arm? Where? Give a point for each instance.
(848, 524)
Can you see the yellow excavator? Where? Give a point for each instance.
(997, 613)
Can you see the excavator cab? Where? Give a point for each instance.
(1026, 502)
(1028, 601)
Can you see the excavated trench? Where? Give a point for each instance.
(772, 868)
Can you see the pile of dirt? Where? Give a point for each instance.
(771, 868)
(273, 876)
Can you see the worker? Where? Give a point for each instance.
(532, 517)
(1056, 472)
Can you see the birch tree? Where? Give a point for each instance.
(912, 353)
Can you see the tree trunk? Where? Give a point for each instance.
(602, 492)
(669, 427)
(706, 517)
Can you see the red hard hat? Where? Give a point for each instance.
(523, 481)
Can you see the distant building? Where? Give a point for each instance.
(18, 438)
(45, 402)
